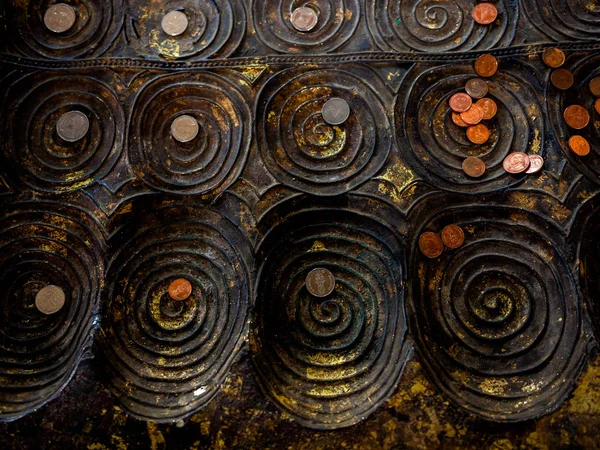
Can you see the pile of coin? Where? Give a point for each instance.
(432, 245)
(519, 162)
(577, 117)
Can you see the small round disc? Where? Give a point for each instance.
(453, 236)
(184, 128)
(597, 105)
(50, 299)
(478, 134)
(335, 111)
(458, 121)
(320, 282)
(72, 126)
(484, 13)
(486, 65)
(595, 86)
(473, 115)
(562, 79)
(304, 18)
(180, 289)
(579, 145)
(60, 18)
(576, 116)
(473, 166)
(536, 162)
(489, 106)
(460, 102)
(174, 23)
(516, 162)
(477, 88)
(431, 244)
(553, 57)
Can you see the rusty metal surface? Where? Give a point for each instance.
(486, 343)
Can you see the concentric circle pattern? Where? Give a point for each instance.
(330, 361)
(48, 163)
(435, 146)
(215, 28)
(438, 25)
(497, 321)
(565, 19)
(583, 71)
(168, 358)
(589, 258)
(215, 157)
(96, 25)
(44, 244)
(337, 22)
(303, 151)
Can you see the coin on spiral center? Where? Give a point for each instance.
(180, 289)
(184, 128)
(536, 162)
(453, 236)
(473, 166)
(59, 17)
(576, 116)
(72, 126)
(460, 102)
(304, 18)
(517, 162)
(320, 282)
(477, 88)
(174, 23)
(431, 244)
(335, 111)
(50, 299)
(553, 57)
(484, 13)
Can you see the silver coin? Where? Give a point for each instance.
(50, 299)
(184, 128)
(72, 126)
(60, 17)
(304, 18)
(320, 282)
(174, 23)
(335, 111)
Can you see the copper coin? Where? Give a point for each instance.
(473, 115)
(579, 145)
(460, 102)
(553, 57)
(486, 65)
(458, 121)
(180, 289)
(50, 299)
(174, 23)
(478, 134)
(595, 86)
(536, 162)
(473, 167)
(431, 244)
(320, 282)
(453, 236)
(517, 162)
(597, 105)
(484, 13)
(184, 128)
(562, 79)
(335, 111)
(304, 18)
(489, 108)
(60, 17)
(576, 117)
(72, 126)
(477, 88)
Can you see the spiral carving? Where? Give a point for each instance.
(565, 20)
(167, 358)
(96, 26)
(330, 361)
(436, 147)
(35, 104)
(215, 157)
(497, 322)
(438, 26)
(304, 152)
(43, 243)
(215, 28)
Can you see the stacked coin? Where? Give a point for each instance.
(432, 245)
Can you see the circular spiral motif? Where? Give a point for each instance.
(44, 244)
(168, 358)
(583, 71)
(215, 28)
(34, 106)
(96, 26)
(303, 151)
(438, 25)
(215, 157)
(497, 321)
(337, 22)
(565, 20)
(330, 361)
(432, 142)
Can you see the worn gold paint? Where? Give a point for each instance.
(318, 246)
(252, 73)
(157, 440)
(493, 386)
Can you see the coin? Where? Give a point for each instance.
(488, 106)
(335, 111)
(478, 134)
(180, 289)
(579, 145)
(553, 57)
(60, 17)
(597, 105)
(576, 117)
(174, 23)
(72, 126)
(184, 128)
(458, 121)
(453, 236)
(484, 13)
(473, 115)
(50, 299)
(320, 282)
(304, 18)
(486, 65)
(473, 167)
(536, 162)
(477, 88)
(431, 244)
(562, 79)
(517, 162)
(460, 102)
(595, 86)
